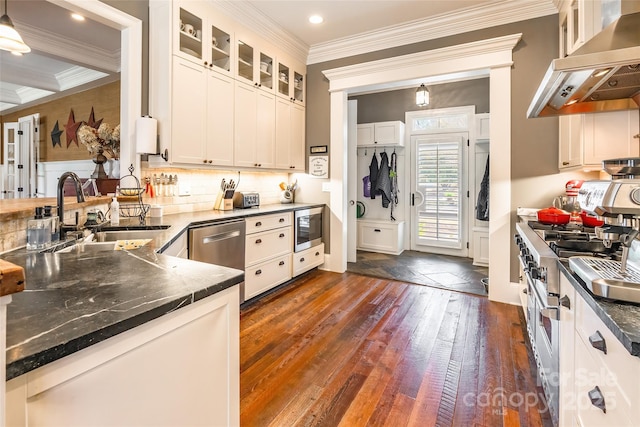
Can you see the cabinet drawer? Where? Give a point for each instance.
(262, 277)
(589, 374)
(623, 369)
(262, 246)
(256, 224)
(380, 236)
(307, 259)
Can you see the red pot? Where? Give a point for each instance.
(590, 220)
(553, 216)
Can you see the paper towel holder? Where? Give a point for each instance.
(153, 133)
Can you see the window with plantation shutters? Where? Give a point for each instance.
(439, 180)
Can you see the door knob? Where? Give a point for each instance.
(351, 202)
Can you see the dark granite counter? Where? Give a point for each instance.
(622, 319)
(76, 299)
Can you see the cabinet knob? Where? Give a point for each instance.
(256, 84)
(211, 65)
(210, 161)
(281, 235)
(281, 263)
(317, 253)
(598, 342)
(204, 161)
(597, 399)
(301, 259)
(565, 301)
(206, 63)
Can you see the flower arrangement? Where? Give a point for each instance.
(104, 140)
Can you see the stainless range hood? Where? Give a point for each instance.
(603, 75)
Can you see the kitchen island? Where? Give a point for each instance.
(122, 337)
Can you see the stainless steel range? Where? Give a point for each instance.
(540, 269)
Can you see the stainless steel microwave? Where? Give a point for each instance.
(307, 228)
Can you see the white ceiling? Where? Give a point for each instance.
(344, 18)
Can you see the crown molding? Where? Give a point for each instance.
(477, 18)
(71, 50)
(257, 21)
(76, 76)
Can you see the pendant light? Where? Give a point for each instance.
(9, 38)
(422, 96)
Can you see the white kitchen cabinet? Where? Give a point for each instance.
(567, 351)
(381, 134)
(291, 82)
(199, 122)
(481, 246)
(254, 127)
(268, 248)
(580, 20)
(588, 139)
(290, 137)
(381, 236)
(592, 356)
(570, 141)
(483, 121)
(255, 66)
(138, 377)
(609, 135)
(307, 259)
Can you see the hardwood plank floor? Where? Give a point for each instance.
(350, 350)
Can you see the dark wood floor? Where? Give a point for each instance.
(345, 349)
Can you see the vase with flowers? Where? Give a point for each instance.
(103, 143)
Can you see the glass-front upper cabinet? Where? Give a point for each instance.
(291, 84)
(254, 65)
(201, 41)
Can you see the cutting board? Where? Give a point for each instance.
(11, 278)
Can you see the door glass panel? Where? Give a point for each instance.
(441, 122)
(298, 85)
(439, 180)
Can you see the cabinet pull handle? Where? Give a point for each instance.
(281, 220)
(565, 163)
(258, 241)
(281, 263)
(377, 230)
(565, 301)
(258, 272)
(317, 253)
(598, 342)
(258, 224)
(281, 235)
(597, 399)
(301, 259)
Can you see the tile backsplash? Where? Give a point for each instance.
(203, 187)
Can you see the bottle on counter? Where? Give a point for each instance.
(115, 211)
(55, 232)
(38, 231)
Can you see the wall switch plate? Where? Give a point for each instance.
(184, 190)
(326, 186)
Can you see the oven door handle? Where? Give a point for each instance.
(551, 312)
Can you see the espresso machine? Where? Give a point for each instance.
(617, 202)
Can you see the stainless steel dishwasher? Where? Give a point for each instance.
(221, 243)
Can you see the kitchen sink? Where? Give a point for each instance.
(89, 248)
(110, 235)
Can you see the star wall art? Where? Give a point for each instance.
(92, 120)
(55, 135)
(71, 128)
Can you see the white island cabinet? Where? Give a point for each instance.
(179, 369)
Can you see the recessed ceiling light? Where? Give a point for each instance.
(316, 19)
(77, 17)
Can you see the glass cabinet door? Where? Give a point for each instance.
(283, 80)
(190, 35)
(245, 61)
(266, 71)
(298, 87)
(220, 49)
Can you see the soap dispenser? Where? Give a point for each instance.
(115, 211)
(38, 231)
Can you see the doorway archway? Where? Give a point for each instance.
(492, 57)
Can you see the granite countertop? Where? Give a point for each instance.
(622, 319)
(76, 299)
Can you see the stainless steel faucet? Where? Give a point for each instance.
(79, 194)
